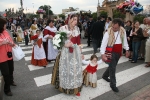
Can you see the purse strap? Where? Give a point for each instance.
(115, 40)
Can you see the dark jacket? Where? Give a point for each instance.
(89, 26)
(97, 30)
(139, 36)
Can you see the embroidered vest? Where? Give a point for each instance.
(112, 38)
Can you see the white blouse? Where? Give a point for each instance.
(118, 41)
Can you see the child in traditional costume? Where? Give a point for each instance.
(38, 53)
(33, 29)
(19, 34)
(90, 77)
(26, 36)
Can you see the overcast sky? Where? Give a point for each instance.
(57, 5)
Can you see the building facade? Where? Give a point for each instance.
(67, 10)
(109, 6)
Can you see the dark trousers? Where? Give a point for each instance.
(95, 43)
(135, 48)
(26, 41)
(88, 41)
(111, 70)
(7, 69)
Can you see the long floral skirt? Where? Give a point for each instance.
(76, 82)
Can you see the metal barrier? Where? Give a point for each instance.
(1, 86)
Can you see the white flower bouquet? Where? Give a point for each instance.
(59, 40)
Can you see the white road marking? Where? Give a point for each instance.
(89, 93)
(38, 80)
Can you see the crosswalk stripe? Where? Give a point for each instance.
(40, 82)
(28, 47)
(87, 49)
(23, 44)
(85, 56)
(32, 67)
(84, 50)
(27, 52)
(89, 93)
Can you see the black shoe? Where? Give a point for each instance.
(9, 94)
(130, 59)
(13, 84)
(44, 66)
(114, 88)
(106, 79)
(133, 61)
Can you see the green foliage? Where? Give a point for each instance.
(118, 14)
(33, 16)
(104, 13)
(94, 16)
(139, 18)
(62, 16)
(47, 9)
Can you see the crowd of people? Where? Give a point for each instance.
(129, 38)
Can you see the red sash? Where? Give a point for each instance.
(117, 48)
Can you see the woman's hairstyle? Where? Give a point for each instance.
(93, 56)
(136, 22)
(129, 22)
(109, 18)
(37, 31)
(70, 17)
(2, 23)
(49, 21)
(33, 21)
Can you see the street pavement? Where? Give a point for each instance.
(33, 82)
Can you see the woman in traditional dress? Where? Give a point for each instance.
(147, 47)
(33, 28)
(38, 53)
(67, 71)
(19, 34)
(48, 33)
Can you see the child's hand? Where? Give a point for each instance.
(50, 37)
(82, 56)
(34, 43)
(69, 44)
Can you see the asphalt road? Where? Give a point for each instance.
(33, 83)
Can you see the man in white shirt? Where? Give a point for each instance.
(108, 23)
(113, 38)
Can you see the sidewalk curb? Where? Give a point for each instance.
(136, 94)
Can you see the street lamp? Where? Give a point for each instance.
(48, 10)
(33, 8)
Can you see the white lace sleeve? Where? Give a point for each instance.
(45, 37)
(100, 61)
(85, 62)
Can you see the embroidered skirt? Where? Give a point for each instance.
(56, 79)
